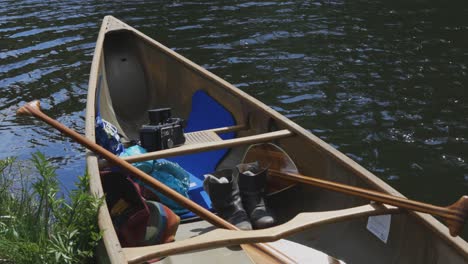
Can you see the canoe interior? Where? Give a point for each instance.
(134, 73)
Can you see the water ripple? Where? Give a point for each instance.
(383, 82)
(40, 46)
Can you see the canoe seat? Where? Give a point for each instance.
(201, 137)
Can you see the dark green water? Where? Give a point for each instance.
(385, 83)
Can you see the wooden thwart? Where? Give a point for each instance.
(223, 238)
(207, 146)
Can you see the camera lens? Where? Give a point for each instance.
(170, 143)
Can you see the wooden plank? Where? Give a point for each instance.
(194, 148)
(201, 137)
(224, 237)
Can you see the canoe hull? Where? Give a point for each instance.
(132, 73)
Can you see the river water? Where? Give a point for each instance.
(385, 83)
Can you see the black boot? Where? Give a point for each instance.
(252, 181)
(223, 190)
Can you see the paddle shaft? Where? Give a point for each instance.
(454, 215)
(33, 109)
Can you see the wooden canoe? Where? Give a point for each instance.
(132, 73)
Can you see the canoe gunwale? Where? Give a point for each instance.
(109, 237)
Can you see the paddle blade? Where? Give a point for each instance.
(270, 156)
(461, 209)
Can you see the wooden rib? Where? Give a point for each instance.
(223, 237)
(193, 148)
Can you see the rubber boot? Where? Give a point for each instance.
(223, 190)
(252, 181)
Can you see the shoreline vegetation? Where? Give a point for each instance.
(40, 225)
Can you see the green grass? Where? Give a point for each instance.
(37, 225)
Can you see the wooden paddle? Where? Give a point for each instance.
(223, 238)
(257, 252)
(268, 154)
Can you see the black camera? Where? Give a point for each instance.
(163, 131)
